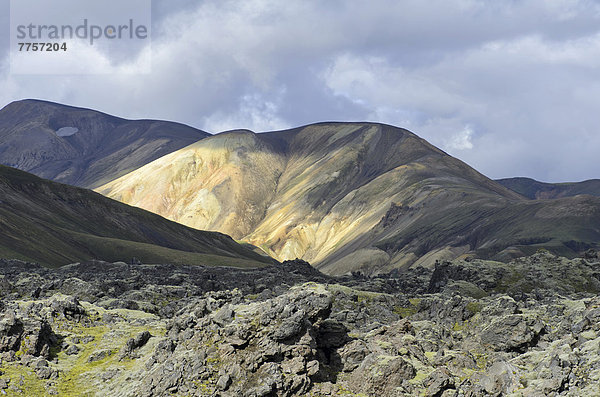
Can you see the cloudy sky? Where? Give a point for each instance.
(511, 87)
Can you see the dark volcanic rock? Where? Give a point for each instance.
(512, 333)
(473, 328)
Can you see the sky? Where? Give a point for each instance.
(510, 87)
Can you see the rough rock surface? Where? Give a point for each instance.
(527, 328)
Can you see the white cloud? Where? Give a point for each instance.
(253, 111)
(78, 59)
(461, 140)
(523, 75)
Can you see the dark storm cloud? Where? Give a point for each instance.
(510, 87)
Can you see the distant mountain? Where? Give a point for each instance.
(533, 189)
(55, 224)
(83, 147)
(352, 196)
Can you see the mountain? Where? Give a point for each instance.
(83, 147)
(55, 224)
(352, 196)
(533, 189)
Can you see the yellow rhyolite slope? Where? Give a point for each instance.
(321, 192)
(222, 184)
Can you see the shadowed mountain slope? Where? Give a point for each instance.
(533, 189)
(56, 224)
(350, 196)
(83, 147)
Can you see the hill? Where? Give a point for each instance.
(352, 196)
(533, 189)
(83, 147)
(55, 224)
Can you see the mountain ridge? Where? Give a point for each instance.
(56, 224)
(344, 196)
(96, 147)
(534, 189)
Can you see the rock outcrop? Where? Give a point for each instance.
(138, 330)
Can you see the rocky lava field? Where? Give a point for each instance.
(526, 328)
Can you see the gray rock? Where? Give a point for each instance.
(290, 327)
(315, 339)
(501, 379)
(332, 334)
(134, 343)
(43, 372)
(223, 316)
(312, 368)
(99, 355)
(296, 365)
(224, 382)
(381, 375)
(69, 308)
(438, 382)
(72, 350)
(512, 333)
(353, 354)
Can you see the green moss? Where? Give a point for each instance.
(415, 301)
(72, 380)
(342, 391)
(405, 312)
(212, 360)
(467, 289)
(382, 361)
(474, 307)
(458, 326)
(384, 344)
(481, 360)
(204, 387)
(419, 377)
(509, 281)
(32, 385)
(362, 296)
(76, 375)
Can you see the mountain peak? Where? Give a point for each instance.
(343, 195)
(331, 193)
(80, 146)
